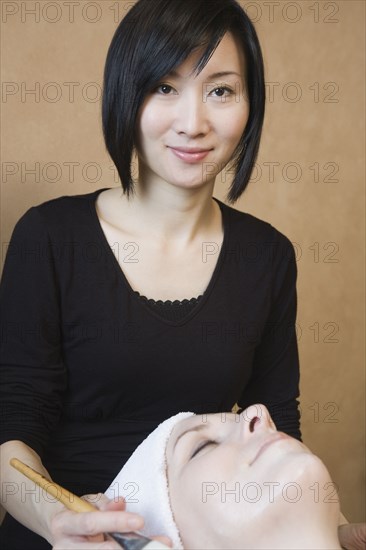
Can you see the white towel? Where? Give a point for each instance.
(144, 484)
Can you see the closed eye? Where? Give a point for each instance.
(205, 444)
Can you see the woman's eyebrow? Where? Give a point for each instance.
(219, 74)
(194, 429)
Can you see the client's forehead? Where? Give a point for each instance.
(181, 427)
(184, 425)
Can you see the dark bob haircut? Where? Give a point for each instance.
(154, 38)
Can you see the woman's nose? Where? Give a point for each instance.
(191, 116)
(256, 418)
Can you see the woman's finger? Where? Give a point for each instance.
(352, 536)
(102, 502)
(164, 540)
(96, 499)
(118, 503)
(93, 523)
(73, 544)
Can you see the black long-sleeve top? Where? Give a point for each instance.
(89, 367)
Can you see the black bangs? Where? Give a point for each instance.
(154, 38)
(168, 36)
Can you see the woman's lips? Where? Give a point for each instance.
(190, 155)
(266, 444)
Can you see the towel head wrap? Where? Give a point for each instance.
(144, 484)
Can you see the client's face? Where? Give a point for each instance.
(234, 479)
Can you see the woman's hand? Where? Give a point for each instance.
(84, 531)
(352, 536)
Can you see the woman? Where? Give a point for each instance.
(226, 481)
(193, 308)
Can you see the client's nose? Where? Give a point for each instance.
(256, 417)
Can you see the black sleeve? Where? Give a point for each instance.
(275, 376)
(32, 373)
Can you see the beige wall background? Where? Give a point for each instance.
(309, 179)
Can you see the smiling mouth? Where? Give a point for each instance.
(264, 447)
(190, 149)
(190, 155)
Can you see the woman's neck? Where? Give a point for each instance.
(303, 538)
(299, 537)
(302, 528)
(174, 213)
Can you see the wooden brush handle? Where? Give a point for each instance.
(71, 501)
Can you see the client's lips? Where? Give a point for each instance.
(278, 437)
(190, 154)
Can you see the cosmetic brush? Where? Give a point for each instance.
(128, 541)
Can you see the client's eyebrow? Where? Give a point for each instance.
(212, 76)
(194, 429)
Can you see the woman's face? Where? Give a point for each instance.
(206, 113)
(233, 479)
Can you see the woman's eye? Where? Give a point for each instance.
(163, 89)
(202, 447)
(222, 91)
